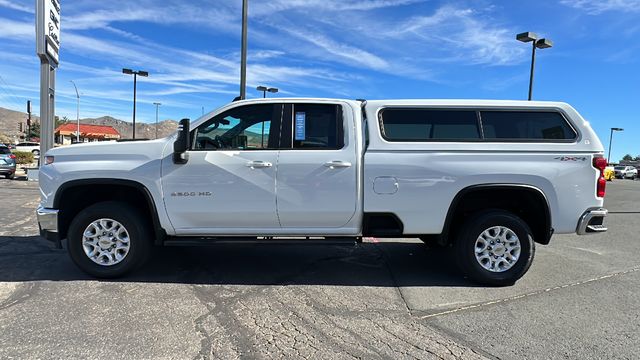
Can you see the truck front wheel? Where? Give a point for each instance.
(108, 239)
(494, 248)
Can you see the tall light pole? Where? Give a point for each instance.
(77, 111)
(536, 43)
(243, 55)
(135, 77)
(264, 90)
(610, 140)
(157, 104)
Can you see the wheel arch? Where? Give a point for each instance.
(74, 195)
(538, 217)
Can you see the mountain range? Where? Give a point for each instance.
(10, 125)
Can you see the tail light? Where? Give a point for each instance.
(12, 156)
(600, 163)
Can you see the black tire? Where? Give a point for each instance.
(465, 243)
(139, 238)
(35, 152)
(10, 176)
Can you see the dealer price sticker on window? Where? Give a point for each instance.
(300, 126)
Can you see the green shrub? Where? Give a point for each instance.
(23, 157)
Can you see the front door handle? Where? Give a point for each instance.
(258, 164)
(337, 164)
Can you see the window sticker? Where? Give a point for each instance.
(300, 126)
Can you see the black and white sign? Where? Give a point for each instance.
(48, 29)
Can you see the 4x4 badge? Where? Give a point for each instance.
(571, 158)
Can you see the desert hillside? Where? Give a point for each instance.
(10, 119)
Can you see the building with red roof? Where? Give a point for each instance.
(66, 133)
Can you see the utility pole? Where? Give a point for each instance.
(157, 104)
(243, 55)
(28, 120)
(77, 112)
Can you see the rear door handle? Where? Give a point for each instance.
(337, 164)
(258, 164)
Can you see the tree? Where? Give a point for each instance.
(637, 158)
(34, 130)
(627, 157)
(5, 139)
(59, 121)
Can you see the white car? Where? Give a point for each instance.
(28, 146)
(626, 172)
(489, 178)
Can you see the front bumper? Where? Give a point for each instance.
(48, 223)
(592, 222)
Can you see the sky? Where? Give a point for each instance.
(371, 49)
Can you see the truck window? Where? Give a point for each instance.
(248, 127)
(429, 125)
(521, 125)
(316, 126)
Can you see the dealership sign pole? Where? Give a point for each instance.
(47, 48)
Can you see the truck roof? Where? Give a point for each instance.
(424, 102)
(465, 102)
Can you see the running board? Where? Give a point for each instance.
(275, 240)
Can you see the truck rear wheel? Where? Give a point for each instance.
(495, 248)
(108, 239)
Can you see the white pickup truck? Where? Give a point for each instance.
(486, 178)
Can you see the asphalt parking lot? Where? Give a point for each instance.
(379, 299)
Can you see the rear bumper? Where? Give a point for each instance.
(592, 222)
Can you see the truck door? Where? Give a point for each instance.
(228, 184)
(316, 179)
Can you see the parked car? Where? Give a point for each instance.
(28, 146)
(626, 172)
(488, 178)
(7, 162)
(609, 173)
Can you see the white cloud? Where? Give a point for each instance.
(12, 5)
(270, 7)
(300, 46)
(339, 51)
(16, 30)
(459, 35)
(596, 7)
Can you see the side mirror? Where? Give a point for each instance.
(182, 143)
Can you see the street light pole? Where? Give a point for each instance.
(610, 141)
(135, 82)
(157, 104)
(77, 111)
(535, 43)
(533, 65)
(243, 55)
